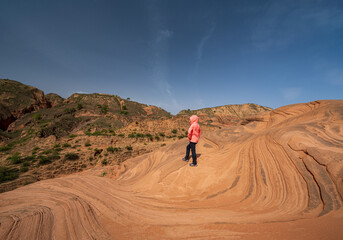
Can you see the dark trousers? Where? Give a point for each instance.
(191, 145)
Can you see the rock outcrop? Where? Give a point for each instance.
(17, 99)
(54, 99)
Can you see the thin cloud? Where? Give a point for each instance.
(200, 48)
(161, 36)
(164, 35)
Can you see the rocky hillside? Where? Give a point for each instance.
(17, 99)
(226, 115)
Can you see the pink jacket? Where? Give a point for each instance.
(194, 130)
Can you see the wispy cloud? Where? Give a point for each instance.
(200, 49)
(164, 34)
(161, 37)
(291, 93)
(203, 41)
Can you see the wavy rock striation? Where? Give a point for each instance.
(280, 176)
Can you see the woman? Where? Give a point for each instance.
(193, 136)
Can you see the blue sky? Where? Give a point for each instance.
(177, 54)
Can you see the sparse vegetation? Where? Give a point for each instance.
(43, 160)
(72, 136)
(66, 145)
(71, 156)
(5, 148)
(15, 158)
(174, 131)
(129, 148)
(79, 106)
(8, 174)
(69, 110)
(87, 144)
(110, 149)
(104, 109)
(103, 174)
(37, 116)
(124, 112)
(104, 162)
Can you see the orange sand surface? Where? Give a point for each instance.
(279, 177)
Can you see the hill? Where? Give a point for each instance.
(227, 114)
(17, 99)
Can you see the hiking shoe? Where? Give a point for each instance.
(185, 159)
(193, 165)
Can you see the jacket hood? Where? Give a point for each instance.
(194, 118)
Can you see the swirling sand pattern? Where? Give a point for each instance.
(279, 177)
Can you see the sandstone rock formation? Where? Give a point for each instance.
(280, 178)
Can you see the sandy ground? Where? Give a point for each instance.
(279, 178)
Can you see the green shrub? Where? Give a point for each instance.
(70, 110)
(136, 123)
(181, 136)
(174, 131)
(117, 149)
(72, 136)
(43, 160)
(124, 112)
(129, 148)
(103, 174)
(66, 145)
(29, 159)
(110, 149)
(148, 135)
(104, 162)
(15, 158)
(124, 107)
(121, 135)
(132, 135)
(25, 164)
(162, 134)
(37, 116)
(5, 148)
(79, 106)
(87, 144)
(71, 156)
(57, 145)
(35, 150)
(8, 174)
(24, 169)
(104, 109)
(157, 138)
(47, 151)
(140, 135)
